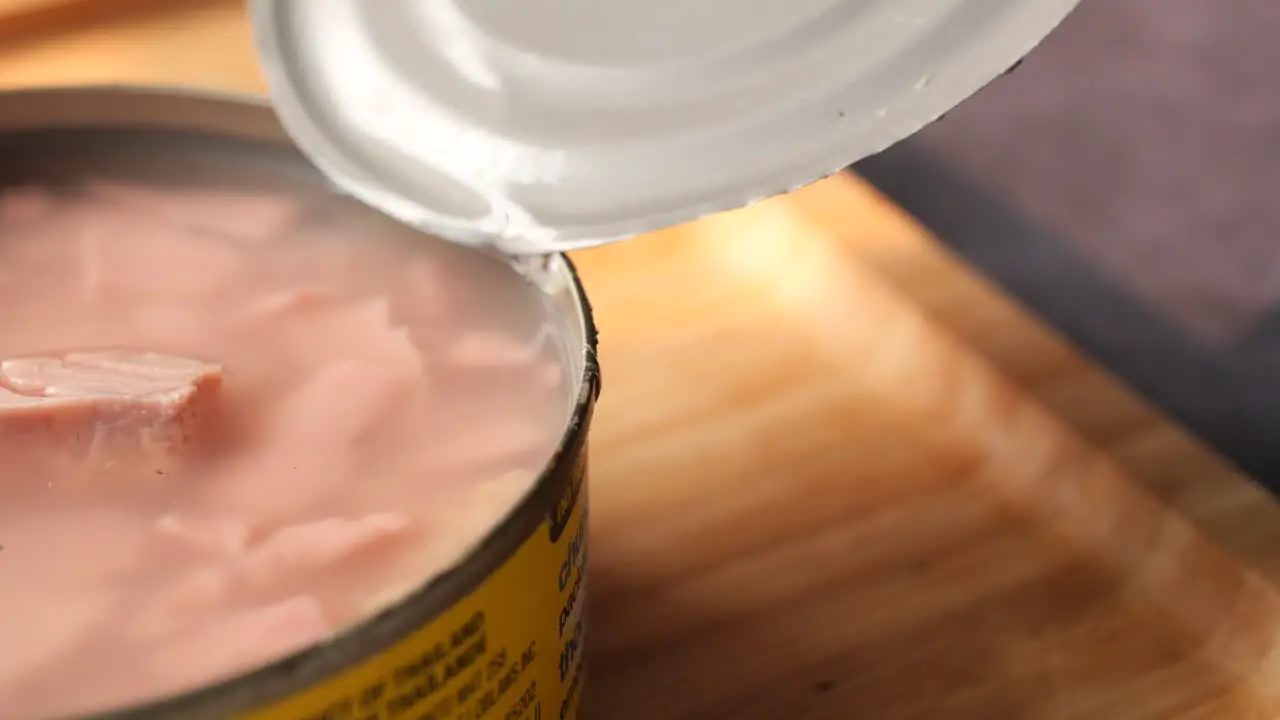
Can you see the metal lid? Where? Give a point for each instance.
(549, 125)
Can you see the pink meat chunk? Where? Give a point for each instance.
(241, 641)
(132, 255)
(178, 325)
(49, 629)
(252, 217)
(314, 545)
(362, 331)
(309, 441)
(503, 442)
(189, 597)
(473, 509)
(496, 350)
(488, 502)
(156, 401)
(335, 406)
(59, 602)
(217, 536)
(423, 293)
(293, 551)
(284, 303)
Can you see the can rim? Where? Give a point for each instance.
(360, 641)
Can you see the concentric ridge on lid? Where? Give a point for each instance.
(550, 125)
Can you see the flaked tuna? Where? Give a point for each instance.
(94, 399)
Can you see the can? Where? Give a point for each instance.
(501, 634)
(544, 126)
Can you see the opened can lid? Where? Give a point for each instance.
(550, 125)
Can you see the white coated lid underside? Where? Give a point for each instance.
(548, 125)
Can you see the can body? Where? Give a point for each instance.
(501, 634)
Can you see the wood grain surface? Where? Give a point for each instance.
(835, 475)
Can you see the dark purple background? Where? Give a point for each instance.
(1123, 182)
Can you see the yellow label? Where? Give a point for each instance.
(511, 650)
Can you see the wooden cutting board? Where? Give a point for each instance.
(837, 476)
